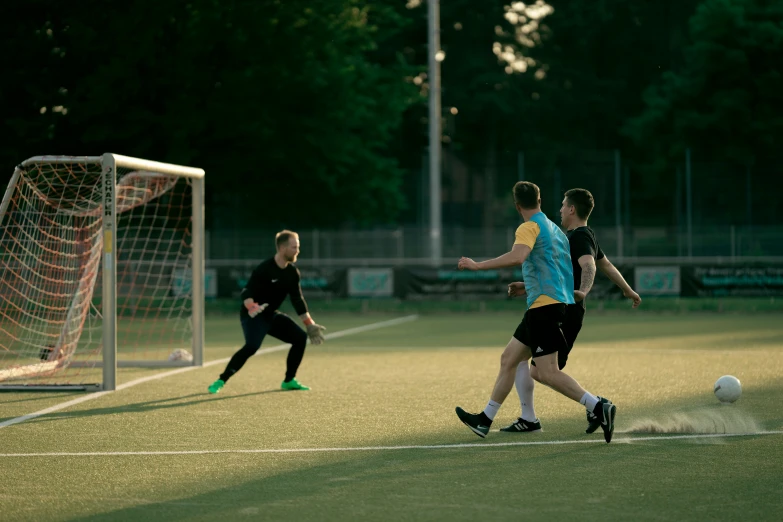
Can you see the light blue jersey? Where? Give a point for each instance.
(547, 270)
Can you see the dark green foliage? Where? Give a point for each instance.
(726, 95)
(313, 103)
(285, 104)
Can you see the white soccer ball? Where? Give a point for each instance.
(180, 355)
(728, 388)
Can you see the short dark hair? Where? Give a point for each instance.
(282, 237)
(582, 200)
(527, 195)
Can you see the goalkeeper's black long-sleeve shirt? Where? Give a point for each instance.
(271, 284)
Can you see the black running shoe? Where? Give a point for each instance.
(523, 426)
(475, 421)
(605, 412)
(593, 423)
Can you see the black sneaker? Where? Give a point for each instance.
(592, 422)
(523, 426)
(475, 421)
(605, 412)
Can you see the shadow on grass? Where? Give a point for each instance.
(648, 480)
(147, 406)
(39, 397)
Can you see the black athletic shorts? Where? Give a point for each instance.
(540, 330)
(571, 326)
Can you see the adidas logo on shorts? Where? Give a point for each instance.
(539, 350)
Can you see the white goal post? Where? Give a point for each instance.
(101, 266)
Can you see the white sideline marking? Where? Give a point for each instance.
(587, 348)
(626, 440)
(130, 384)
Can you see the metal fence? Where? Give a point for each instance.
(411, 245)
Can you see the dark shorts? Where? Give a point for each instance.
(570, 326)
(540, 330)
(574, 316)
(276, 324)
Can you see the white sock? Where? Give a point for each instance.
(589, 400)
(525, 385)
(492, 409)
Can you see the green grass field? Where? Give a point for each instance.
(255, 453)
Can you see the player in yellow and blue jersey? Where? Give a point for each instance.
(544, 253)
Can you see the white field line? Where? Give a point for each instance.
(130, 384)
(626, 440)
(588, 348)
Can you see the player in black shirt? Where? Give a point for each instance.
(586, 255)
(269, 284)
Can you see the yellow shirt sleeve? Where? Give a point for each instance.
(526, 234)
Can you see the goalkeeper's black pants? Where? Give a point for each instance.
(277, 325)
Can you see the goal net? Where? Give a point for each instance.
(97, 270)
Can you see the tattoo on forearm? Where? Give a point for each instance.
(588, 276)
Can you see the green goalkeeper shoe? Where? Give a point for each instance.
(216, 386)
(293, 384)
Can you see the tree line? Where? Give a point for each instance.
(315, 111)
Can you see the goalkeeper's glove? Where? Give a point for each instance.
(315, 333)
(255, 309)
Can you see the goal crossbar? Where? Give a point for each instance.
(122, 161)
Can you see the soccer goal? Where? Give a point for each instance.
(101, 266)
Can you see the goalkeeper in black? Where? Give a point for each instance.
(269, 284)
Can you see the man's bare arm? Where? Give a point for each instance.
(617, 278)
(588, 273)
(516, 257)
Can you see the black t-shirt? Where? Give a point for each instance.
(583, 243)
(271, 284)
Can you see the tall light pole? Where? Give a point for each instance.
(435, 57)
(618, 216)
(689, 201)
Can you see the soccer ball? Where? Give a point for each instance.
(728, 388)
(180, 355)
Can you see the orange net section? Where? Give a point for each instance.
(51, 246)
